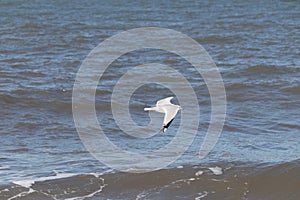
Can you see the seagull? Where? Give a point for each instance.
(170, 110)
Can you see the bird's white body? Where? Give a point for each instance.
(170, 110)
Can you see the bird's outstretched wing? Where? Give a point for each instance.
(164, 101)
(170, 113)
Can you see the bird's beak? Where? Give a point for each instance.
(181, 108)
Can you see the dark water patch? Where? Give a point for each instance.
(56, 98)
(251, 49)
(289, 125)
(234, 180)
(33, 103)
(278, 182)
(231, 127)
(10, 191)
(239, 86)
(30, 125)
(294, 89)
(237, 182)
(18, 66)
(75, 152)
(269, 69)
(56, 106)
(15, 60)
(18, 150)
(217, 39)
(4, 159)
(8, 99)
(32, 26)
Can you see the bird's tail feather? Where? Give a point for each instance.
(148, 109)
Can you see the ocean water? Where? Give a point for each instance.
(255, 46)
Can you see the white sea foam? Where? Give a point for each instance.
(4, 167)
(201, 195)
(28, 183)
(93, 193)
(87, 196)
(199, 173)
(21, 194)
(216, 170)
(141, 195)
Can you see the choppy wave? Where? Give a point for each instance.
(234, 180)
